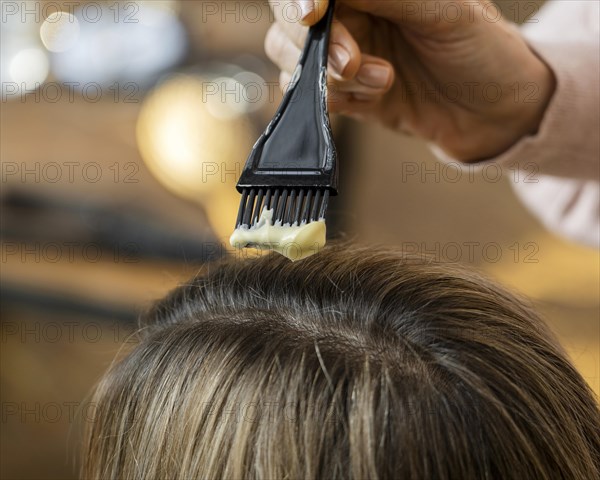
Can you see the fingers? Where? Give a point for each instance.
(356, 81)
(304, 12)
(312, 10)
(309, 12)
(280, 49)
(374, 79)
(293, 15)
(352, 103)
(344, 52)
(288, 19)
(413, 13)
(361, 94)
(375, 76)
(284, 50)
(284, 80)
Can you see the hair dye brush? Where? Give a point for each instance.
(291, 171)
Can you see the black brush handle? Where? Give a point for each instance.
(297, 148)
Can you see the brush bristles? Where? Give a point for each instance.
(292, 206)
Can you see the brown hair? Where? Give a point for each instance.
(352, 363)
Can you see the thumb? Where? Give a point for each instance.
(312, 10)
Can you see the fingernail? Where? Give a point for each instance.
(339, 58)
(306, 8)
(374, 75)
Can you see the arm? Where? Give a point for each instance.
(565, 151)
(387, 57)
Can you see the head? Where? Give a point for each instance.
(352, 363)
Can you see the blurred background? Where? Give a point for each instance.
(124, 126)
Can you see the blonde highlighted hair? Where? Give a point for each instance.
(351, 364)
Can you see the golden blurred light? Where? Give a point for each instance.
(576, 286)
(29, 68)
(231, 102)
(60, 31)
(195, 147)
(253, 90)
(171, 6)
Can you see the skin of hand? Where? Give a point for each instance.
(452, 72)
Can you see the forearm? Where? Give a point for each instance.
(564, 150)
(566, 143)
(558, 133)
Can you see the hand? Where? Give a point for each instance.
(463, 78)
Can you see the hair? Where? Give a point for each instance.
(353, 364)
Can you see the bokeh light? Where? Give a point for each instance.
(124, 44)
(29, 68)
(60, 31)
(194, 145)
(232, 103)
(24, 63)
(254, 94)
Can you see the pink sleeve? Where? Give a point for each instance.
(565, 194)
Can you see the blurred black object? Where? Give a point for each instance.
(34, 222)
(33, 218)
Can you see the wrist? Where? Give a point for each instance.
(494, 128)
(538, 87)
(520, 115)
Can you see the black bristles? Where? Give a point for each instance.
(249, 207)
(296, 219)
(307, 205)
(324, 203)
(315, 207)
(242, 208)
(275, 205)
(281, 208)
(290, 206)
(258, 207)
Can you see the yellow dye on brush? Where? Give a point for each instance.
(293, 241)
